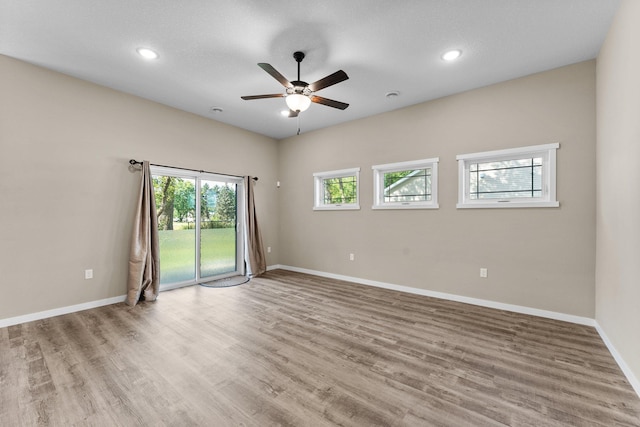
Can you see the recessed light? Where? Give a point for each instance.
(147, 53)
(216, 110)
(451, 55)
(392, 95)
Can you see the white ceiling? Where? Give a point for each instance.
(209, 49)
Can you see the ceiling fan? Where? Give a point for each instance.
(298, 94)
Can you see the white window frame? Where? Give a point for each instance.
(378, 184)
(548, 199)
(318, 189)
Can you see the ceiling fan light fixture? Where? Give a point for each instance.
(298, 102)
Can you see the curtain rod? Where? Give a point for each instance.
(135, 162)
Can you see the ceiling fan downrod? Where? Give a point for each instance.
(298, 56)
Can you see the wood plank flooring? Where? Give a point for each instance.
(289, 349)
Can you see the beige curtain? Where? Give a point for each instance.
(256, 260)
(144, 258)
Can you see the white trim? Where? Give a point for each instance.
(505, 204)
(408, 205)
(633, 380)
(318, 190)
(378, 184)
(338, 207)
(508, 152)
(337, 173)
(60, 311)
(405, 165)
(549, 162)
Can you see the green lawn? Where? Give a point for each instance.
(177, 253)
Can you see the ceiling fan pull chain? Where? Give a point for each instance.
(298, 125)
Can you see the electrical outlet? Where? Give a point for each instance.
(88, 274)
(269, 249)
(352, 257)
(484, 273)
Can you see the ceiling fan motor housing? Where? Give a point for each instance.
(299, 87)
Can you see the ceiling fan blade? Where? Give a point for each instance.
(275, 74)
(293, 113)
(273, 95)
(337, 77)
(328, 102)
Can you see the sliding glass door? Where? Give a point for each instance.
(175, 202)
(201, 236)
(218, 228)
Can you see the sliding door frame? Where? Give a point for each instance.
(240, 221)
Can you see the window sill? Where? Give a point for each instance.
(506, 205)
(408, 206)
(337, 208)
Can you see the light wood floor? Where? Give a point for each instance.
(289, 349)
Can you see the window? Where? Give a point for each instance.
(406, 185)
(513, 178)
(336, 189)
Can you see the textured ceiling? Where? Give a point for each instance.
(209, 49)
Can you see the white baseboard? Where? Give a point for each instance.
(451, 297)
(59, 311)
(633, 380)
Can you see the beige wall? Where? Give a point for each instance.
(540, 258)
(618, 207)
(65, 143)
(66, 194)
